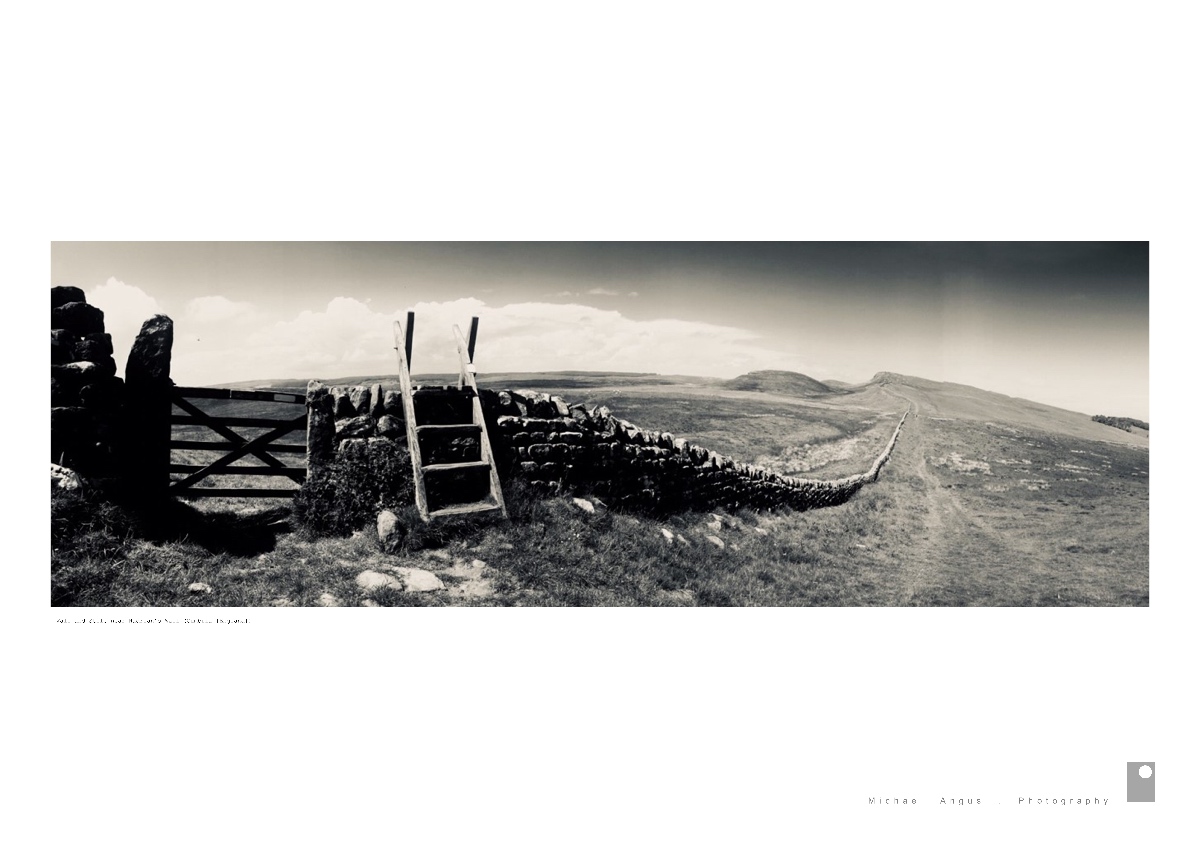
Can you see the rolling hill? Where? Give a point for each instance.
(781, 383)
(957, 401)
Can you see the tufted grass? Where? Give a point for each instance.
(551, 553)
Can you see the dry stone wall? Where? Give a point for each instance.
(567, 448)
(87, 400)
(103, 427)
(564, 447)
(340, 414)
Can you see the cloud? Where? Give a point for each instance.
(349, 338)
(203, 310)
(565, 294)
(125, 308)
(220, 340)
(604, 292)
(633, 294)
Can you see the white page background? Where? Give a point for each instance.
(625, 121)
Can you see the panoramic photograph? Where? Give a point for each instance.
(647, 424)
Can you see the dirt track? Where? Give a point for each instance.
(940, 565)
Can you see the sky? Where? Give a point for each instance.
(1061, 323)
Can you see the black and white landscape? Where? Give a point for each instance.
(1020, 476)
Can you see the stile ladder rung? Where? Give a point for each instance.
(456, 466)
(421, 428)
(463, 509)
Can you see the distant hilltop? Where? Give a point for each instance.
(1126, 424)
(782, 383)
(883, 378)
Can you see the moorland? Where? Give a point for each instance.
(987, 500)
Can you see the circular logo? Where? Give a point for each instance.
(1145, 771)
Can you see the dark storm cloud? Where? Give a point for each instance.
(1072, 265)
(1120, 269)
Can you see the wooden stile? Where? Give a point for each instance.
(403, 353)
(477, 424)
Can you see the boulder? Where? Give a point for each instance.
(105, 393)
(505, 404)
(360, 397)
(106, 366)
(102, 339)
(79, 318)
(541, 407)
(64, 386)
(371, 580)
(390, 426)
(393, 403)
(355, 428)
(375, 408)
(62, 347)
(94, 347)
(521, 404)
(64, 478)
(62, 295)
(583, 504)
(83, 370)
(150, 357)
(391, 532)
(579, 416)
(420, 580)
(343, 407)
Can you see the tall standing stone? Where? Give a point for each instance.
(148, 378)
(320, 403)
(150, 358)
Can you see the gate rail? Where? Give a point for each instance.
(236, 446)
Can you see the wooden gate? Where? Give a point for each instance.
(267, 447)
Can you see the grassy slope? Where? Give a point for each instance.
(986, 501)
(781, 383)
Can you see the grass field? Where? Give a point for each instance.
(986, 501)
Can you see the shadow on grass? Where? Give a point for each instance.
(239, 534)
